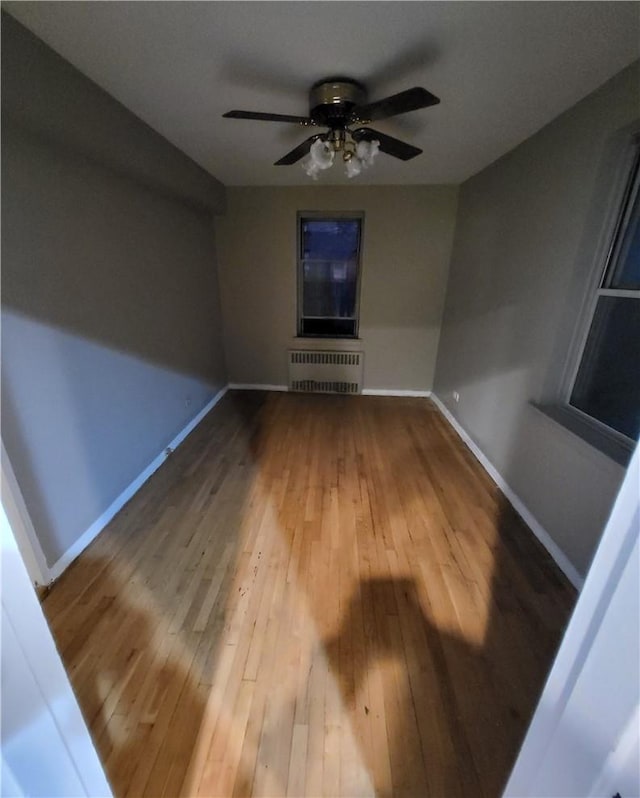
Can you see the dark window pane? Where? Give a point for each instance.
(626, 250)
(608, 383)
(327, 239)
(627, 257)
(334, 328)
(329, 288)
(329, 274)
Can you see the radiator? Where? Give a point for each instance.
(318, 371)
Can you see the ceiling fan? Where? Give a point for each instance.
(339, 104)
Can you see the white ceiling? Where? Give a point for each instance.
(502, 71)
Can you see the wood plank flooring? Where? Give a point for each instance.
(315, 595)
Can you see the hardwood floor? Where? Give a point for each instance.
(315, 595)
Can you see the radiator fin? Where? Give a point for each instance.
(325, 371)
(317, 386)
(326, 358)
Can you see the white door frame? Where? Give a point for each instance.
(46, 747)
(21, 524)
(595, 611)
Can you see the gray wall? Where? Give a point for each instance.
(527, 230)
(111, 328)
(408, 233)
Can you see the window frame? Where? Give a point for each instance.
(625, 191)
(328, 216)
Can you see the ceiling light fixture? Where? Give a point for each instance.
(355, 155)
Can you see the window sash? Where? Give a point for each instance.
(606, 277)
(616, 249)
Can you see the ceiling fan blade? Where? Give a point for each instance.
(395, 147)
(409, 100)
(258, 115)
(299, 152)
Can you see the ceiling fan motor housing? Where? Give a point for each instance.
(331, 101)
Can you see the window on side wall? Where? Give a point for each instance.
(605, 386)
(329, 248)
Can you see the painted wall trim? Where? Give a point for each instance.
(560, 558)
(99, 524)
(250, 386)
(393, 392)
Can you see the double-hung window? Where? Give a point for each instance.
(606, 383)
(329, 274)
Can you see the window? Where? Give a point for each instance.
(329, 275)
(606, 386)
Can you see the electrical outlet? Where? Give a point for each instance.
(187, 402)
(456, 396)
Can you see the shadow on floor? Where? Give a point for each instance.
(405, 608)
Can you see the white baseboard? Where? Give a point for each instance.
(560, 558)
(99, 524)
(393, 392)
(250, 386)
(241, 386)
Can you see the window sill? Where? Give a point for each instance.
(321, 342)
(611, 447)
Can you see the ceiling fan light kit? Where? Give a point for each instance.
(339, 104)
(356, 157)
